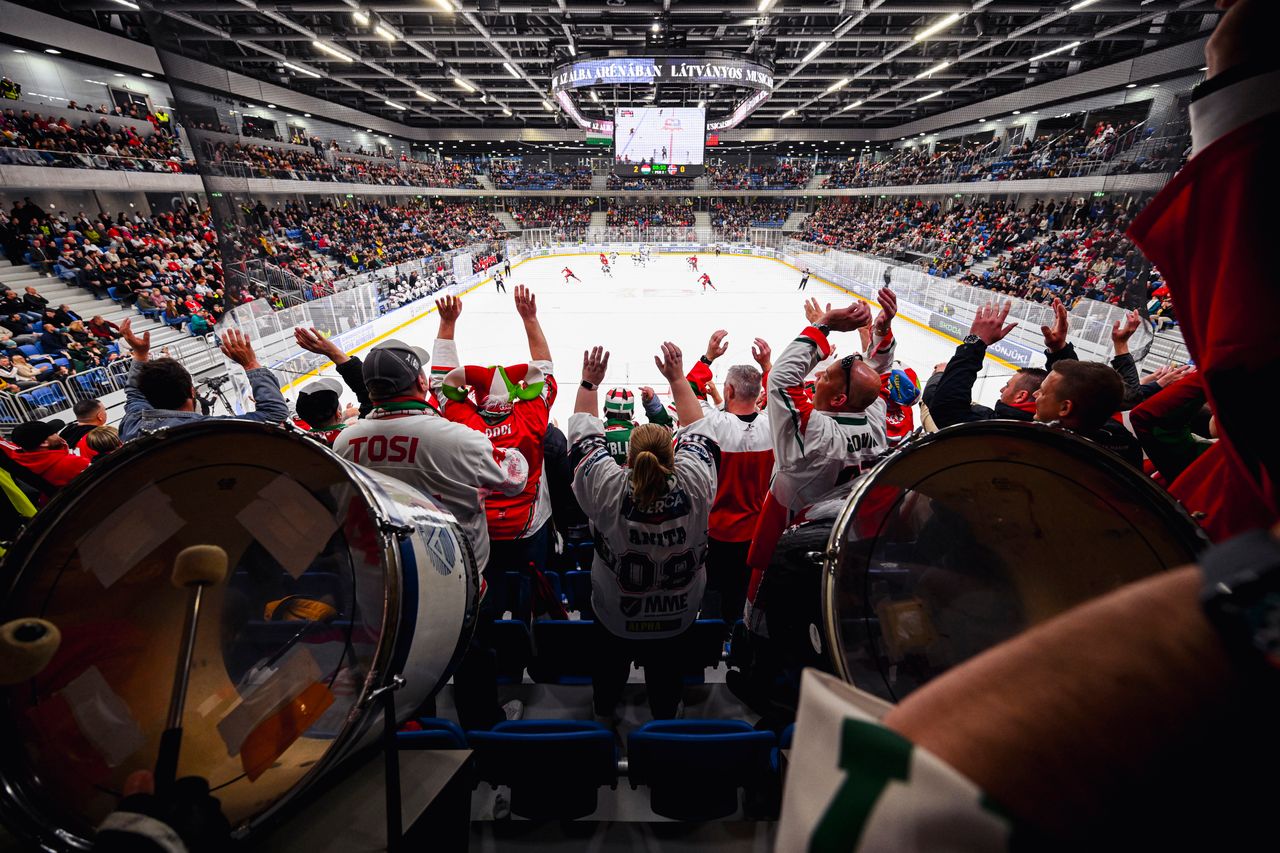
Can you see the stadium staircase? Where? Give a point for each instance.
(485, 181)
(599, 218)
(816, 181)
(795, 219)
(507, 220)
(701, 183)
(599, 182)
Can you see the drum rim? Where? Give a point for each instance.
(19, 810)
(1195, 537)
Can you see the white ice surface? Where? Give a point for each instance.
(631, 313)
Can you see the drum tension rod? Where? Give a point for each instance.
(391, 759)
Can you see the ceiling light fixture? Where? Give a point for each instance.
(128, 4)
(764, 4)
(788, 114)
(395, 106)
(1131, 85)
(361, 17)
(546, 105)
(850, 106)
(18, 50)
(937, 27)
(53, 51)
(300, 69)
(595, 97)
(148, 75)
(506, 112)
(702, 105)
(813, 54)
(385, 32)
(928, 96)
(463, 84)
(445, 5)
(1048, 53)
(271, 106)
(931, 71)
(427, 95)
(511, 70)
(837, 86)
(1078, 6)
(325, 47)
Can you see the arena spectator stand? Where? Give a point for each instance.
(664, 214)
(780, 175)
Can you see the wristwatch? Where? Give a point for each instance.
(703, 358)
(590, 386)
(1240, 594)
(974, 339)
(823, 327)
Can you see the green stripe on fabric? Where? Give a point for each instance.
(871, 756)
(850, 420)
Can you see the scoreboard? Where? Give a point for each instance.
(659, 141)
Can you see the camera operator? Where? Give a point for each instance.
(161, 393)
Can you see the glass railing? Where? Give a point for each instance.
(108, 162)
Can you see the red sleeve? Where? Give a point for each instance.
(699, 375)
(1207, 232)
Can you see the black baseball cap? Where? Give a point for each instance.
(392, 367)
(318, 401)
(32, 434)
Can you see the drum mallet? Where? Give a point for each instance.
(26, 647)
(195, 568)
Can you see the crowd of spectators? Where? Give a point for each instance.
(82, 141)
(734, 216)
(267, 161)
(778, 175)
(567, 214)
(663, 214)
(508, 175)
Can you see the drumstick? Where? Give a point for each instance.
(194, 568)
(26, 647)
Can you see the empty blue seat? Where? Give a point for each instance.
(553, 767)
(30, 349)
(436, 733)
(578, 591)
(562, 651)
(514, 648)
(694, 768)
(111, 291)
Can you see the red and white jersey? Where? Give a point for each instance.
(457, 466)
(706, 279)
(568, 273)
(746, 464)
(604, 261)
(693, 261)
(811, 448)
(524, 429)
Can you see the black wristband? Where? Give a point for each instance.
(589, 386)
(703, 358)
(824, 328)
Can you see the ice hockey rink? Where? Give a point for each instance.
(634, 310)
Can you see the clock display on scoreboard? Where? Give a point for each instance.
(659, 141)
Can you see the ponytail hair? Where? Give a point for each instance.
(652, 461)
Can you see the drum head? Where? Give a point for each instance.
(286, 646)
(968, 537)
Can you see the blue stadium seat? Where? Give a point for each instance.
(514, 648)
(436, 733)
(30, 349)
(694, 768)
(578, 591)
(706, 647)
(111, 291)
(562, 651)
(553, 767)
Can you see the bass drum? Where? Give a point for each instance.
(338, 579)
(974, 534)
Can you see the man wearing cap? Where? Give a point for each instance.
(320, 408)
(161, 394)
(43, 453)
(512, 407)
(404, 437)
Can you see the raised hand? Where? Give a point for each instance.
(1055, 337)
(670, 362)
(888, 310)
(813, 311)
(988, 323)
(1123, 329)
(595, 362)
(139, 346)
(717, 345)
(526, 305)
(762, 354)
(450, 307)
(312, 341)
(1169, 374)
(847, 319)
(236, 346)
(646, 394)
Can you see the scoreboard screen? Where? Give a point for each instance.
(659, 141)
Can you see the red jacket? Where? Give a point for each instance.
(56, 467)
(1208, 233)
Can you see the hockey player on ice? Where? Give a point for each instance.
(568, 274)
(705, 281)
(692, 260)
